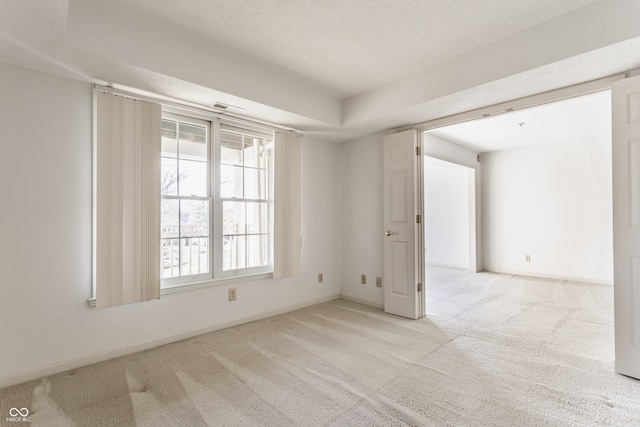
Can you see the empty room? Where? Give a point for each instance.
(216, 213)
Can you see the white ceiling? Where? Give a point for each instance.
(349, 46)
(333, 69)
(583, 118)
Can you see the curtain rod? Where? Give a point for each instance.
(197, 108)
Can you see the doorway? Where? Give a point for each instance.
(546, 188)
(449, 191)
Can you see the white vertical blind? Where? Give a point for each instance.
(287, 205)
(127, 203)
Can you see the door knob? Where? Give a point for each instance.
(390, 233)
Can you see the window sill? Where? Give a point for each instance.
(204, 284)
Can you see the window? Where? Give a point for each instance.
(245, 192)
(217, 200)
(186, 200)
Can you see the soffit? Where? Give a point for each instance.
(320, 51)
(350, 46)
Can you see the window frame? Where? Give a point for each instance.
(170, 282)
(217, 275)
(219, 205)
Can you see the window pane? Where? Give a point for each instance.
(194, 232)
(170, 231)
(193, 142)
(255, 153)
(256, 251)
(170, 258)
(234, 256)
(169, 143)
(194, 255)
(257, 218)
(265, 155)
(193, 178)
(194, 218)
(169, 219)
(255, 185)
(231, 148)
(231, 182)
(251, 146)
(169, 178)
(233, 218)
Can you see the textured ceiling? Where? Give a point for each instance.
(336, 70)
(351, 46)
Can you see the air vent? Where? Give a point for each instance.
(223, 106)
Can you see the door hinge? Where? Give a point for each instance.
(417, 151)
(419, 287)
(418, 219)
(478, 157)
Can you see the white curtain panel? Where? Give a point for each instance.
(287, 205)
(127, 202)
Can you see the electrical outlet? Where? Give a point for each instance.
(320, 278)
(363, 279)
(232, 294)
(527, 258)
(378, 282)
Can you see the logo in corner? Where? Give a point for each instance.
(19, 415)
(14, 412)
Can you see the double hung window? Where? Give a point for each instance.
(217, 200)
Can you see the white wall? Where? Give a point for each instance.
(46, 324)
(552, 202)
(362, 218)
(446, 214)
(442, 149)
(362, 226)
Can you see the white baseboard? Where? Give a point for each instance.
(57, 368)
(362, 301)
(456, 267)
(595, 281)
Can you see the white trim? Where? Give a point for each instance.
(525, 274)
(57, 368)
(523, 103)
(94, 189)
(362, 301)
(199, 277)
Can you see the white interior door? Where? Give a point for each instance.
(626, 223)
(403, 241)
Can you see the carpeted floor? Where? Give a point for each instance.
(496, 350)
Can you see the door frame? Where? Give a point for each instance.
(502, 108)
(523, 103)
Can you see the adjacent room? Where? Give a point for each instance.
(546, 201)
(196, 227)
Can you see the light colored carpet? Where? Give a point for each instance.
(496, 350)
